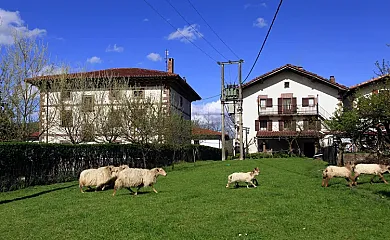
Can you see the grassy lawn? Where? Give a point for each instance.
(193, 203)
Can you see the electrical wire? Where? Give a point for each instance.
(192, 5)
(189, 40)
(265, 40)
(191, 25)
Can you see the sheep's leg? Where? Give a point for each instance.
(131, 190)
(154, 189)
(349, 181)
(81, 188)
(381, 176)
(227, 185)
(326, 181)
(355, 179)
(252, 183)
(323, 182)
(372, 179)
(138, 188)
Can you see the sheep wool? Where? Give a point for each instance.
(95, 177)
(372, 169)
(334, 171)
(137, 177)
(243, 177)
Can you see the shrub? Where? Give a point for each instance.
(27, 164)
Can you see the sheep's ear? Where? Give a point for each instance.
(157, 169)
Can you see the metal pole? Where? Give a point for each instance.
(223, 109)
(240, 103)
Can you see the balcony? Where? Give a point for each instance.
(288, 110)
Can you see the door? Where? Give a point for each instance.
(309, 149)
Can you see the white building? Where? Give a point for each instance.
(167, 87)
(287, 104)
(207, 137)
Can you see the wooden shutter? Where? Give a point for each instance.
(294, 105)
(269, 102)
(257, 125)
(293, 125)
(375, 91)
(305, 124)
(280, 107)
(269, 125)
(280, 125)
(305, 102)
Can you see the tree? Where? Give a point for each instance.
(26, 57)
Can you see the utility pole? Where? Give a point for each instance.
(223, 110)
(223, 99)
(240, 103)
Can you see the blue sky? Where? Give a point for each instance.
(333, 37)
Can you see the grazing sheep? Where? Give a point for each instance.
(334, 171)
(374, 169)
(243, 177)
(137, 177)
(98, 177)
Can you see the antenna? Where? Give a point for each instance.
(166, 60)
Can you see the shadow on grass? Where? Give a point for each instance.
(36, 194)
(383, 193)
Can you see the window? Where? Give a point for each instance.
(88, 133)
(66, 118)
(114, 94)
(139, 93)
(65, 95)
(181, 101)
(263, 103)
(286, 103)
(263, 125)
(196, 142)
(311, 102)
(287, 125)
(88, 103)
(286, 84)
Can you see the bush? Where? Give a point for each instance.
(28, 164)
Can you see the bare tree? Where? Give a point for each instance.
(26, 58)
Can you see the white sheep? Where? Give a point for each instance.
(243, 177)
(373, 169)
(334, 171)
(100, 177)
(137, 177)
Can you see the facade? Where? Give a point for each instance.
(103, 93)
(286, 108)
(207, 137)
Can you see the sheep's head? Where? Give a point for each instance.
(256, 171)
(160, 171)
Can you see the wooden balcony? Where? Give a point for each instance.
(288, 110)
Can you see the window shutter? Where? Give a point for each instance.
(305, 124)
(293, 125)
(280, 125)
(256, 125)
(280, 107)
(305, 102)
(269, 125)
(294, 105)
(375, 91)
(269, 102)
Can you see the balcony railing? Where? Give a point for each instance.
(289, 110)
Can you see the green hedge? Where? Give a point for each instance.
(28, 164)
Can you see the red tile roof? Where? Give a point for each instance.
(296, 69)
(270, 134)
(369, 81)
(114, 72)
(206, 132)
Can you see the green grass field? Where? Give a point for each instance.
(193, 203)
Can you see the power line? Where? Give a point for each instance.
(191, 25)
(210, 97)
(265, 40)
(192, 5)
(154, 9)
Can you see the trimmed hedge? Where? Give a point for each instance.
(28, 164)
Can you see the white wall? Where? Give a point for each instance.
(215, 143)
(273, 87)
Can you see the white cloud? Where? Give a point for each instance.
(260, 22)
(114, 48)
(250, 5)
(11, 22)
(94, 59)
(186, 34)
(145, 20)
(206, 112)
(154, 57)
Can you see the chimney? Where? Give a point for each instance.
(170, 65)
(332, 79)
